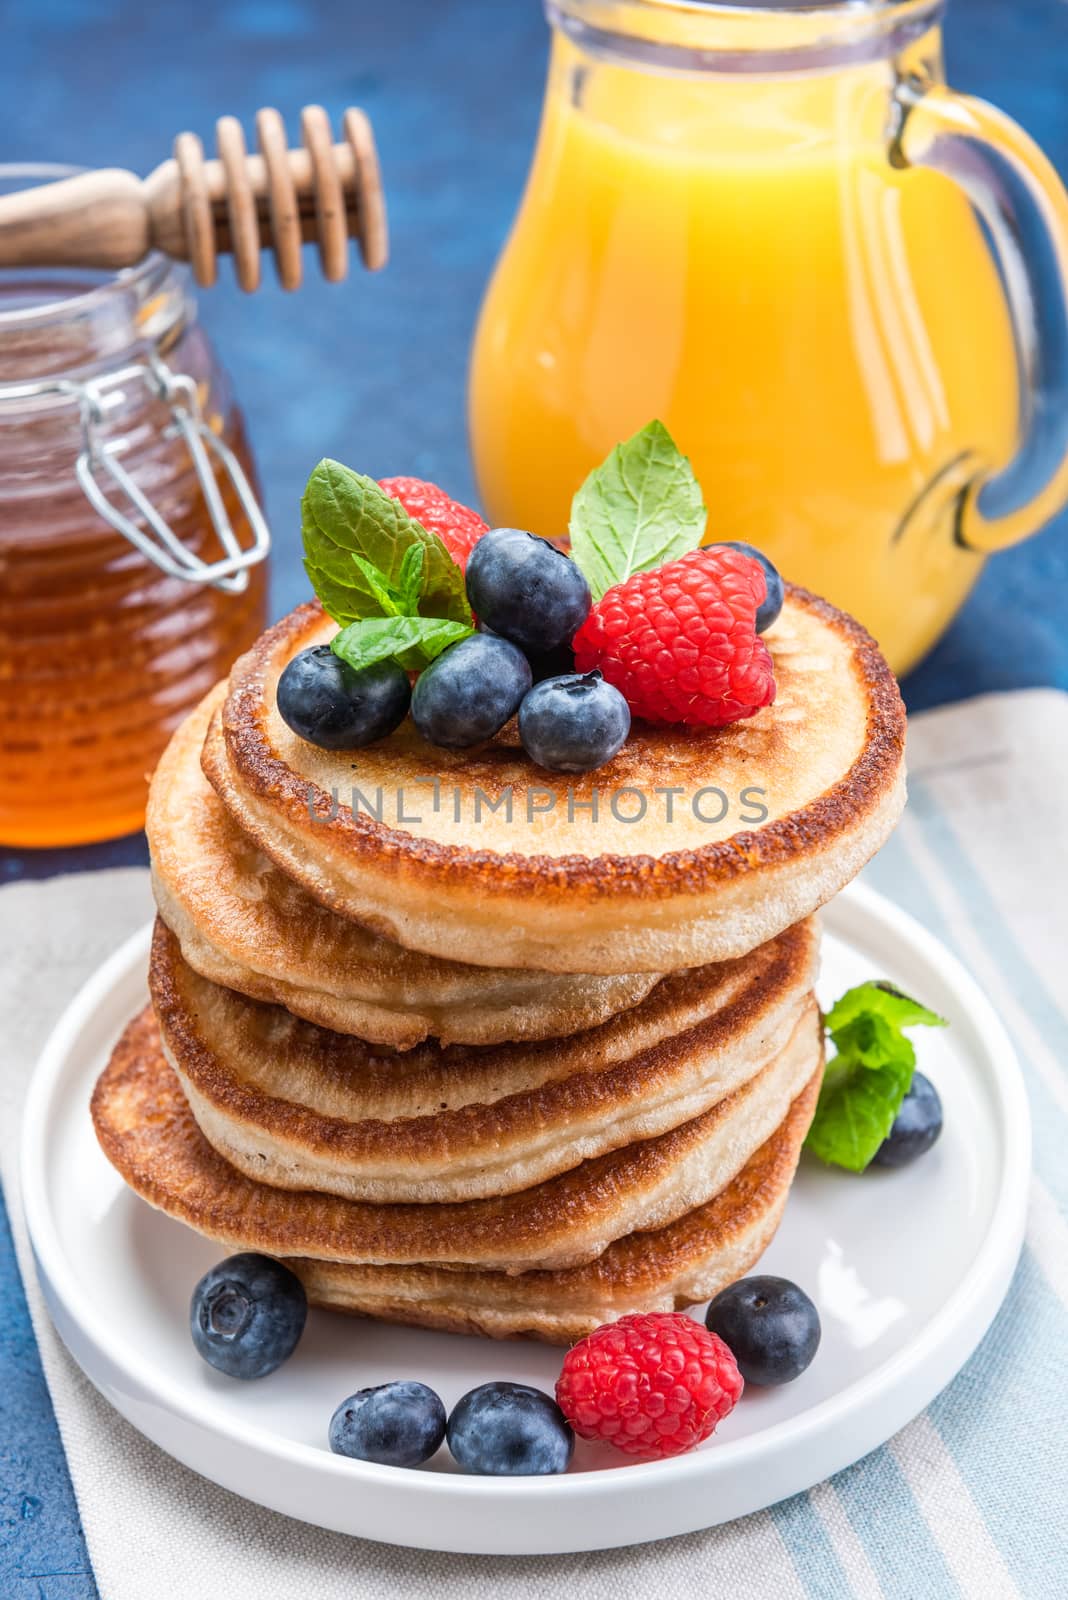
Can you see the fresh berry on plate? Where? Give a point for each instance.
(680, 642)
(247, 1315)
(653, 1384)
(916, 1126)
(573, 723)
(398, 1424)
(771, 605)
(868, 1076)
(509, 1430)
(769, 1324)
(470, 691)
(323, 700)
(526, 590)
(457, 526)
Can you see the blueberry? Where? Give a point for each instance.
(398, 1424)
(916, 1126)
(327, 702)
(573, 723)
(470, 691)
(558, 663)
(247, 1315)
(768, 611)
(526, 590)
(770, 1326)
(509, 1430)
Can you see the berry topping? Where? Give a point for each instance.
(398, 1424)
(680, 642)
(470, 691)
(327, 702)
(771, 605)
(770, 1325)
(247, 1315)
(652, 1385)
(509, 1430)
(916, 1126)
(573, 723)
(527, 590)
(558, 663)
(457, 526)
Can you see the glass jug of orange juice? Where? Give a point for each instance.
(840, 285)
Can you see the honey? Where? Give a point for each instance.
(102, 653)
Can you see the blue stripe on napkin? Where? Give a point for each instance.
(969, 1499)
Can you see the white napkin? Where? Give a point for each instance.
(998, 767)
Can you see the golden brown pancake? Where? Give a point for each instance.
(150, 1136)
(666, 1270)
(418, 855)
(565, 1221)
(242, 923)
(298, 1107)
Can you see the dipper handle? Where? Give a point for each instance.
(194, 209)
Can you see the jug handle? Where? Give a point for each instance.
(1023, 203)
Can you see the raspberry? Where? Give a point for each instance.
(680, 642)
(652, 1385)
(457, 526)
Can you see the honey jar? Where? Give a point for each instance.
(132, 545)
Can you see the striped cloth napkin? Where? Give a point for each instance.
(968, 1500)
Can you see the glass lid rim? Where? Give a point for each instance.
(877, 12)
(743, 36)
(112, 285)
(798, 8)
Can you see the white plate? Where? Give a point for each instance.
(907, 1267)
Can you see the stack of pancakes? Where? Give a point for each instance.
(485, 1048)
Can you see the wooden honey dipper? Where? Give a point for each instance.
(195, 209)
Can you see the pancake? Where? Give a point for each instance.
(297, 1107)
(418, 856)
(669, 1269)
(243, 924)
(150, 1136)
(146, 1127)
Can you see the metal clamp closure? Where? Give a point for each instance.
(99, 461)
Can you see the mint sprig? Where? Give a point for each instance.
(412, 642)
(869, 1074)
(402, 598)
(356, 539)
(389, 582)
(641, 507)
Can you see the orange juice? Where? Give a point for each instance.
(826, 336)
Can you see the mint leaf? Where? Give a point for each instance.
(879, 999)
(382, 590)
(410, 581)
(641, 507)
(856, 1111)
(344, 514)
(403, 599)
(413, 642)
(869, 1075)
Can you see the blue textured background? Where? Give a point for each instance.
(373, 372)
